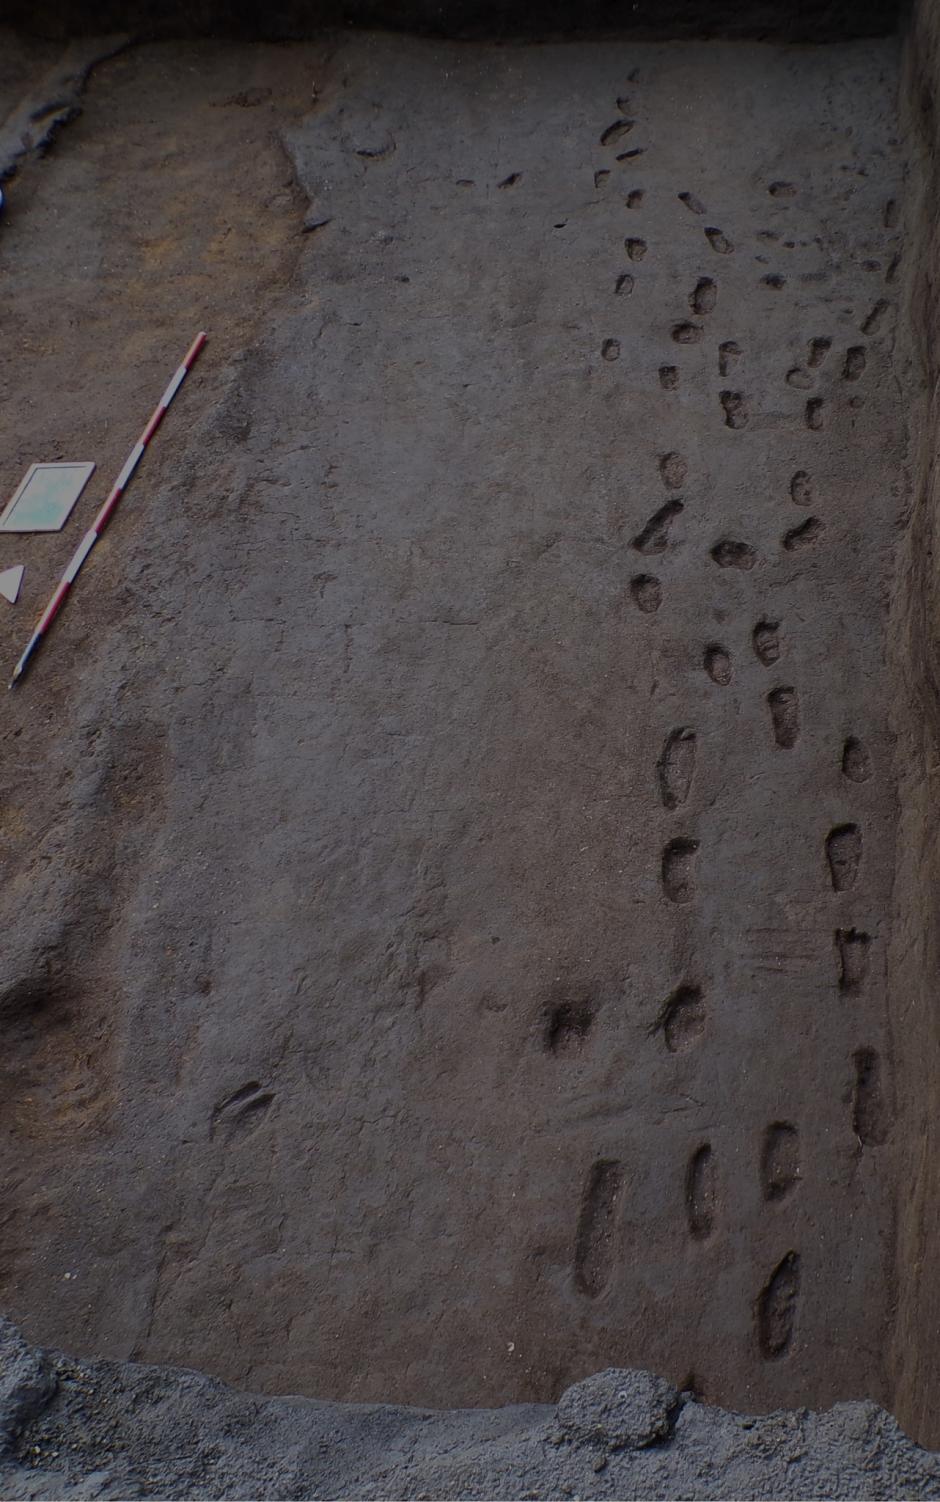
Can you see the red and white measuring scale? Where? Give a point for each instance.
(104, 515)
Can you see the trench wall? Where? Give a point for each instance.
(915, 958)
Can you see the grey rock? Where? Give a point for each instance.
(27, 1382)
(619, 1408)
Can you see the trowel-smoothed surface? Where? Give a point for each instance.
(448, 844)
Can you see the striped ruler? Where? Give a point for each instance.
(107, 510)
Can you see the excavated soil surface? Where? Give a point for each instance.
(447, 841)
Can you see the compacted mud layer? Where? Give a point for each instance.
(448, 840)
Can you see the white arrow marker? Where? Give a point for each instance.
(10, 581)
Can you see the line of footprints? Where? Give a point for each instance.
(683, 1018)
(727, 552)
(779, 1173)
(702, 301)
(735, 409)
